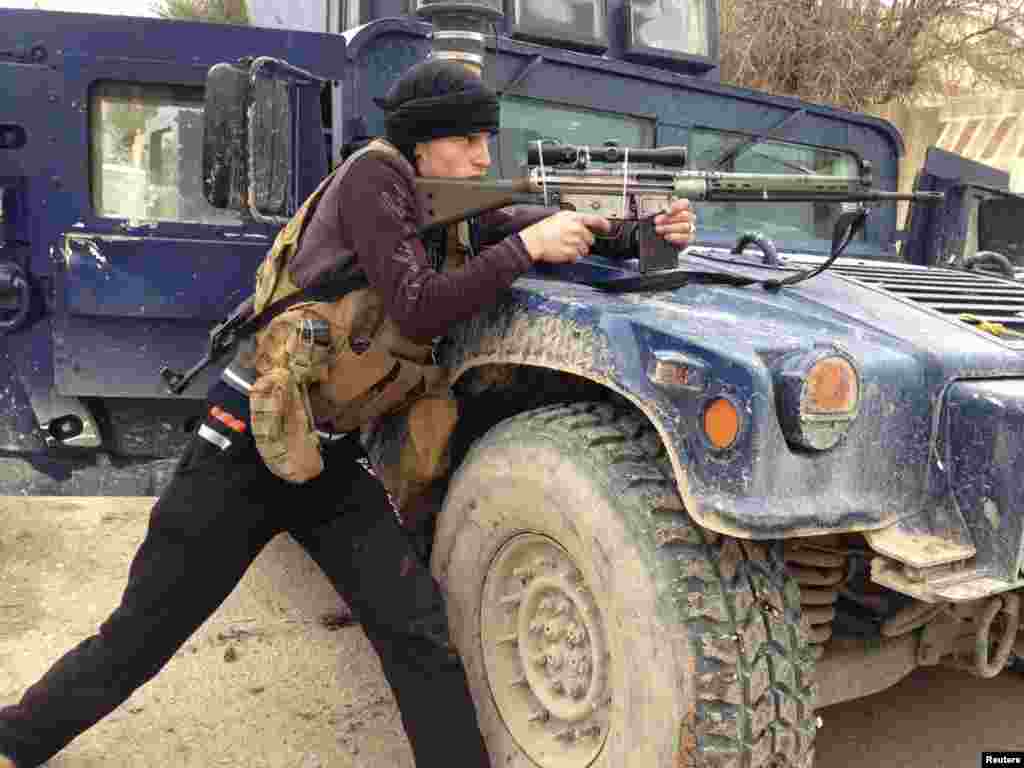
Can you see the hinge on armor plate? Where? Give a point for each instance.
(34, 55)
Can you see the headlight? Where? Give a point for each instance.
(818, 398)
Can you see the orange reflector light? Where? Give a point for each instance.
(721, 423)
(831, 387)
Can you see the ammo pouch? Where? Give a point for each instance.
(341, 364)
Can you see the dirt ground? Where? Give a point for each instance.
(265, 684)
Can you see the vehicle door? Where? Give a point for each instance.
(146, 265)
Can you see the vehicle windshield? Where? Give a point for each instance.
(781, 221)
(526, 121)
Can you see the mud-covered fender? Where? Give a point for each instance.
(758, 487)
(576, 340)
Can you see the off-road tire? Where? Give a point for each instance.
(706, 662)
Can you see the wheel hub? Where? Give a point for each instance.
(546, 653)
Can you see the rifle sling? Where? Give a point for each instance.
(329, 290)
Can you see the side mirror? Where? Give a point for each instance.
(270, 146)
(250, 150)
(226, 137)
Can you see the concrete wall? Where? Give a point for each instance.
(986, 128)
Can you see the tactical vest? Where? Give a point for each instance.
(343, 363)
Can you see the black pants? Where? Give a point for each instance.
(217, 514)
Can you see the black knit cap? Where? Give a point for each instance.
(434, 99)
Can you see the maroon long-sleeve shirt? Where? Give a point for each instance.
(373, 213)
(370, 219)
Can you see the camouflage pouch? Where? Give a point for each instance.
(373, 369)
(283, 428)
(292, 355)
(339, 363)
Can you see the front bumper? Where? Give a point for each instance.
(981, 454)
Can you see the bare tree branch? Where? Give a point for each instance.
(858, 53)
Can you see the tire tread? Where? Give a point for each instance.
(755, 698)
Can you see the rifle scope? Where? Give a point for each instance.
(580, 156)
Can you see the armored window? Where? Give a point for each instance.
(727, 151)
(680, 26)
(572, 23)
(343, 15)
(673, 30)
(524, 121)
(993, 224)
(147, 154)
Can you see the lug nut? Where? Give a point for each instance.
(575, 634)
(553, 629)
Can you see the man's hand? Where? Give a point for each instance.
(678, 225)
(563, 237)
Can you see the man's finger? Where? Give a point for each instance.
(679, 227)
(676, 214)
(592, 222)
(579, 234)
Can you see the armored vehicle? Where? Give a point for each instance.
(683, 515)
(979, 224)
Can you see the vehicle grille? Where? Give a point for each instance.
(951, 292)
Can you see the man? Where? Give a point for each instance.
(224, 505)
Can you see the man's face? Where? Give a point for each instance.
(454, 157)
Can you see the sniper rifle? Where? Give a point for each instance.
(630, 196)
(633, 193)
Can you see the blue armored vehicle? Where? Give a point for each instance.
(690, 502)
(979, 224)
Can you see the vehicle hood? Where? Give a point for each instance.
(873, 309)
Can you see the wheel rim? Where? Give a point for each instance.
(546, 653)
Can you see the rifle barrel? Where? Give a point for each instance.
(714, 186)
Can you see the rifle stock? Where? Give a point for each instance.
(445, 201)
